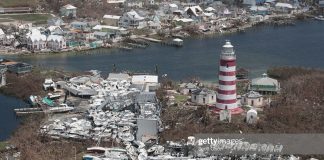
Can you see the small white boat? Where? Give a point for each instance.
(97, 153)
(61, 109)
(49, 83)
(320, 18)
(53, 96)
(33, 100)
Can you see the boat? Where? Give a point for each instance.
(33, 100)
(125, 48)
(177, 42)
(94, 153)
(53, 96)
(48, 84)
(320, 18)
(61, 109)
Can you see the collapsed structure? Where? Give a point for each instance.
(122, 107)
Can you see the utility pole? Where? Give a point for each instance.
(156, 70)
(75, 158)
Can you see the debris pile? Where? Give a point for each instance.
(116, 110)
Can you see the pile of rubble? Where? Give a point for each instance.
(118, 109)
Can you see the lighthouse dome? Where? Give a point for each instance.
(228, 45)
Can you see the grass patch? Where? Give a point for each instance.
(5, 20)
(3, 145)
(141, 31)
(180, 98)
(37, 18)
(18, 3)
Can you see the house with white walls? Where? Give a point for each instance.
(35, 40)
(56, 42)
(132, 19)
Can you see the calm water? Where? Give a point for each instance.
(8, 120)
(257, 50)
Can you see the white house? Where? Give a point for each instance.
(155, 23)
(36, 40)
(56, 42)
(172, 7)
(68, 10)
(203, 97)
(284, 7)
(148, 82)
(187, 88)
(132, 20)
(2, 34)
(252, 98)
(111, 20)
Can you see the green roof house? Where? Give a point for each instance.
(265, 85)
(68, 11)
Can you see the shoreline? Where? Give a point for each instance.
(200, 35)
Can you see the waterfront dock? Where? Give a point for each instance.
(24, 111)
(150, 39)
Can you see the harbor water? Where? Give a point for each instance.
(257, 49)
(8, 119)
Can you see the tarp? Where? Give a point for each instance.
(48, 102)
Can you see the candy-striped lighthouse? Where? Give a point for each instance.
(226, 97)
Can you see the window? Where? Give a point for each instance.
(195, 97)
(204, 100)
(212, 97)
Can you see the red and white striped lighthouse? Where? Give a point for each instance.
(226, 97)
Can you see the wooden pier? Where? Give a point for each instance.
(123, 47)
(135, 45)
(24, 111)
(150, 39)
